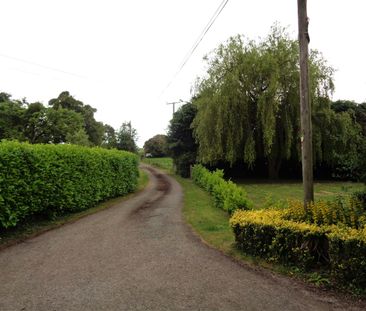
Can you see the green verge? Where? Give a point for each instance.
(212, 223)
(36, 226)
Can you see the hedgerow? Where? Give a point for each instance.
(227, 195)
(347, 253)
(57, 179)
(339, 249)
(349, 211)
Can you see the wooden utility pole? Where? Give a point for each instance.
(173, 103)
(305, 108)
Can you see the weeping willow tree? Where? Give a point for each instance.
(248, 101)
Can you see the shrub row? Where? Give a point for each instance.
(340, 249)
(56, 179)
(349, 211)
(227, 195)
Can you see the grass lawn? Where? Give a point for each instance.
(265, 194)
(37, 226)
(163, 163)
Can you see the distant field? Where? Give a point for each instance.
(164, 163)
(264, 194)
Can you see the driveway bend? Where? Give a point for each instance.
(139, 255)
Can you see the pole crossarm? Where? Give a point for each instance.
(177, 102)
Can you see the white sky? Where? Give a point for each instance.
(124, 53)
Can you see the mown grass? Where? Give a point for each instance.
(265, 194)
(36, 226)
(163, 163)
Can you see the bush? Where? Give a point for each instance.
(266, 234)
(361, 197)
(183, 163)
(349, 211)
(347, 253)
(226, 194)
(337, 248)
(56, 179)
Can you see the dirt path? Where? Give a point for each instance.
(139, 255)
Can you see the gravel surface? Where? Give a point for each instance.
(139, 255)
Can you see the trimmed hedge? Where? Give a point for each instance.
(227, 195)
(340, 249)
(348, 211)
(56, 179)
(347, 252)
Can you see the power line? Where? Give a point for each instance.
(42, 66)
(197, 42)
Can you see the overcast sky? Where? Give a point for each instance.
(118, 56)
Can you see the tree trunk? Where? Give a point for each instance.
(274, 167)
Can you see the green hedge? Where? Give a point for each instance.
(348, 211)
(339, 249)
(347, 252)
(227, 195)
(56, 179)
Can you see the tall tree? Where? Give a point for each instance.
(248, 102)
(36, 123)
(60, 125)
(157, 146)
(357, 110)
(11, 117)
(109, 138)
(126, 137)
(94, 129)
(181, 143)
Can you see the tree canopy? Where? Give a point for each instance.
(181, 143)
(157, 146)
(126, 137)
(64, 120)
(248, 105)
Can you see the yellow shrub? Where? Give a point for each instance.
(347, 211)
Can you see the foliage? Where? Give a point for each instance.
(126, 138)
(11, 118)
(248, 106)
(78, 138)
(266, 234)
(226, 194)
(357, 110)
(64, 120)
(56, 179)
(93, 129)
(60, 124)
(347, 249)
(339, 143)
(348, 211)
(157, 146)
(109, 138)
(337, 248)
(181, 144)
